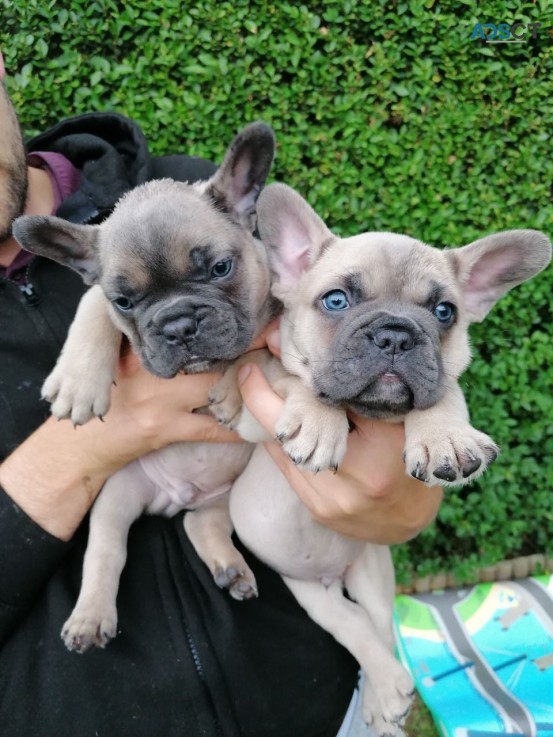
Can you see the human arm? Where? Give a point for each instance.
(51, 480)
(55, 475)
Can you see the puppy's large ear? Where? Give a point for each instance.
(75, 246)
(293, 233)
(236, 184)
(489, 267)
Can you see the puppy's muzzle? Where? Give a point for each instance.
(179, 331)
(392, 340)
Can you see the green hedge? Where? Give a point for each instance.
(388, 118)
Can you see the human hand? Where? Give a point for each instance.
(152, 413)
(370, 497)
(147, 413)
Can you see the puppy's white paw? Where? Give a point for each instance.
(387, 700)
(314, 437)
(449, 456)
(86, 628)
(225, 402)
(77, 392)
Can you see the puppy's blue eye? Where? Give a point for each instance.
(444, 311)
(335, 300)
(221, 268)
(123, 303)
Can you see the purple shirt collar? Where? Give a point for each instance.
(65, 180)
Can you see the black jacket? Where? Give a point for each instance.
(189, 660)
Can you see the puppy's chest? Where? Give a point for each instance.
(187, 475)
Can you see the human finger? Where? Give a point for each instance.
(203, 428)
(264, 404)
(261, 340)
(192, 389)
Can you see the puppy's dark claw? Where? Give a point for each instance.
(445, 472)
(492, 451)
(419, 474)
(470, 467)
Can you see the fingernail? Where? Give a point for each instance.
(243, 374)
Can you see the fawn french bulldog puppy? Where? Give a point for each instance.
(177, 270)
(376, 324)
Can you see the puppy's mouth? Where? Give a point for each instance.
(199, 365)
(390, 378)
(193, 365)
(387, 396)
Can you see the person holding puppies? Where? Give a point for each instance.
(190, 660)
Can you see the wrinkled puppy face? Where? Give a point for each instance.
(182, 278)
(384, 308)
(378, 322)
(186, 280)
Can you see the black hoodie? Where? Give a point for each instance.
(189, 660)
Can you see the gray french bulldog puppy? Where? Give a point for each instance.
(375, 324)
(177, 270)
(184, 279)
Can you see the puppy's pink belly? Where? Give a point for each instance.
(170, 501)
(187, 475)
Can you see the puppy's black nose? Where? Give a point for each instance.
(392, 340)
(178, 331)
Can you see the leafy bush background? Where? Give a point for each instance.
(388, 118)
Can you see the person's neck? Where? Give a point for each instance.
(40, 201)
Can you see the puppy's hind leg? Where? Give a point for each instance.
(209, 529)
(370, 580)
(124, 497)
(350, 624)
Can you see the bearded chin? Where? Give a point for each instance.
(13, 167)
(13, 197)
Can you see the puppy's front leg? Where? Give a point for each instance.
(79, 387)
(122, 500)
(209, 529)
(312, 434)
(441, 446)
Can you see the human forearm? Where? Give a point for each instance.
(55, 475)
